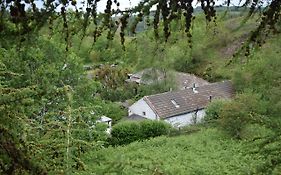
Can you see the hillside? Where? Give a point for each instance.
(207, 152)
(212, 46)
(64, 98)
(253, 116)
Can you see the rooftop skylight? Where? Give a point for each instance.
(175, 103)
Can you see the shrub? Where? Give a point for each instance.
(154, 128)
(114, 111)
(236, 115)
(233, 119)
(247, 108)
(187, 64)
(253, 131)
(213, 110)
(127, 132)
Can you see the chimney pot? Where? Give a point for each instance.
(210, 98)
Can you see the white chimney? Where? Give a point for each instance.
(194, 89)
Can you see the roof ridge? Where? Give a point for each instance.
(181, 90)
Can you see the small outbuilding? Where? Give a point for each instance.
(107, 121)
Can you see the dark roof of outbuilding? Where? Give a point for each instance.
(174, 103)
(135, 117)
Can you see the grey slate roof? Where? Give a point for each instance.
(184, 80)
(146, 76)
(174, 103)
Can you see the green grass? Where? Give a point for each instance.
(207, 152)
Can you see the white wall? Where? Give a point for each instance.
(141, 106)
(185, 119)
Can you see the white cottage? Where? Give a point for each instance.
(183, 107)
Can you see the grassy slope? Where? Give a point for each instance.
(207, 152)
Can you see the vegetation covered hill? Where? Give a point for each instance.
(49, 106)
(208, 151)
(246, 134)
(212, 46)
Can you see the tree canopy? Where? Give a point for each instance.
(28, 16)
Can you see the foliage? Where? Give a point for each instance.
(154, 128)
(115, 88)
(127, 132)
(113, 111)
(233, 116)
(111, 76)
(154, 88)
(119, 94)
(214, 110)
(185, 64)
(255, 131)
(204, 152)
(262, 75)
(30, 19)
(46, 107)
(234, 119)
(14, 155)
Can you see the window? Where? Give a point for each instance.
(175, 103)
(143, 113)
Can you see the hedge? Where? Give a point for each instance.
(130, 131)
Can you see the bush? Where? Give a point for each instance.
(158, 87)
(127, 132)
(113, 111)
(154, 128)
(213, 110)
(233, 119)
(236, 115)
(253, 131)
(187, 64)
(119, 94)
(247, 108)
